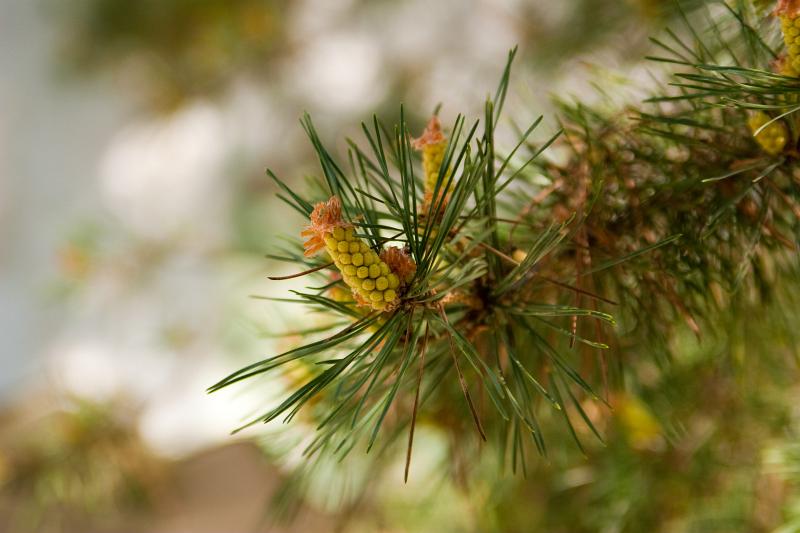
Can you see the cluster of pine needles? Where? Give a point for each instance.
(515, 270)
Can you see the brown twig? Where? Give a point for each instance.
(416, 404)
(309, 271)
(461, 379)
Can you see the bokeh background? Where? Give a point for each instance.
(134, 218)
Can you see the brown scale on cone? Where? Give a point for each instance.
(788, 7)
(325, 218)
(375, 281)
(400, 263)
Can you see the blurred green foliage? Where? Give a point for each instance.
(81, 468)
(183, 48)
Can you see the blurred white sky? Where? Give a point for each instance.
(50, 137)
